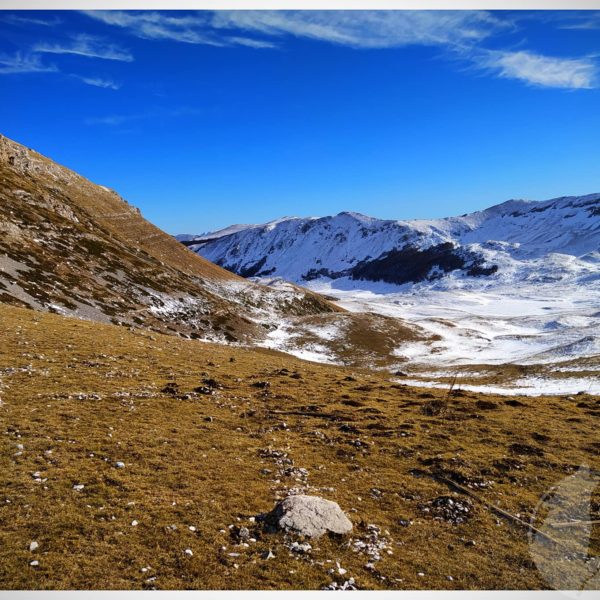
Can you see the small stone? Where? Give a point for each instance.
(33, 546)
(192, 528)
(268, 555)
(78, 487)
(35, 563)
(120, 465)
(300, 548)
(134, 523)
(188, 552)
(421, 574)
(450, 578)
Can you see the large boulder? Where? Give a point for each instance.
(311, 516)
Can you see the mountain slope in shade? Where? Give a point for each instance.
(496, 242)
(73, 247)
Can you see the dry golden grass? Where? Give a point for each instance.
(80, 396)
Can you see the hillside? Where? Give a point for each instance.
(137, 460)
(76, 248)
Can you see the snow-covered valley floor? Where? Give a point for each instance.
(550, 333)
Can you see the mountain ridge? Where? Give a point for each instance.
(303, 249)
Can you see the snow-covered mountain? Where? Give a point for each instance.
(516, 283)
(501, 241)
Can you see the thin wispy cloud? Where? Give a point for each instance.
(589, 19)
(24, 63)
(250, 43)
(159, 26)
(359, 29)
(539, 70)
(159, 113)
(20, 20)
(101, 83)
(462, 35)
(88, 46)
(366, 29)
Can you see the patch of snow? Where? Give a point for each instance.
(525, 386)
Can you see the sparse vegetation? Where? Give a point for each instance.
(81, 398)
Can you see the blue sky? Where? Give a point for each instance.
(203, 119)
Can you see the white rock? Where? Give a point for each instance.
(33, 546)
(134, 523)
(188, 552)
(310, 515)
(34, 563)
(120, 465)
(192, 528)
(78, 487)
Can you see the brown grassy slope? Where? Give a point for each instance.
(71, 246)
(108, 209)
(79, 396)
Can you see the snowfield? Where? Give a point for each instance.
(516, 284)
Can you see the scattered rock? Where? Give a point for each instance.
(188, 552)
(120, 465)
(346, 585)
(311, 516)
(33, 546)
(242, 534)
(172, 388)
(449, 509)
(300, 548)
(371, 544)
(205, 390)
